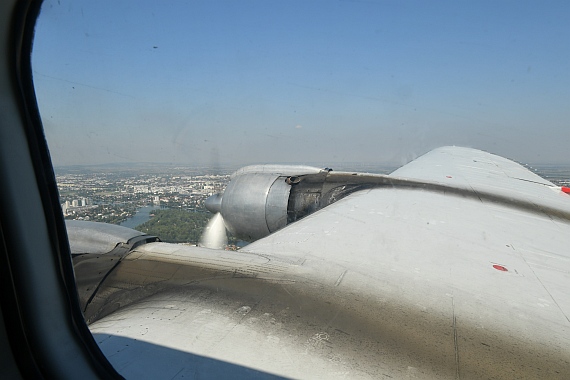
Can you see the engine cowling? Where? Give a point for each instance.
(262, 199)
(255, 202)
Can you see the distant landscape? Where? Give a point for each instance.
(114, 193)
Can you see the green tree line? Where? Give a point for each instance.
(176, 226)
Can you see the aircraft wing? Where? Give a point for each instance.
(457, 265)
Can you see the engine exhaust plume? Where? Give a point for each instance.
(214, 236)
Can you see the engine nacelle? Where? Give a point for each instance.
(262, 199)
(254, 204)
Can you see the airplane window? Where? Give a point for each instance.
(149, 107)
(353, 86)
(157, 104)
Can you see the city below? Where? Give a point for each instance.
(113, 194)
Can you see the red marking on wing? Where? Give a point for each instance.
(565, 189)
(500, 267)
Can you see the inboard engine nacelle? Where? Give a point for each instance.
(262, 199)
(255, 202)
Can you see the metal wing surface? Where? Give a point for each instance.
(458, 267)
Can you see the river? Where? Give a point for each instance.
(142, 215)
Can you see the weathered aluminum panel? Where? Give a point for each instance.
(276, 205)
(411, 279)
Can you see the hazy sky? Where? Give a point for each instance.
(302, 81)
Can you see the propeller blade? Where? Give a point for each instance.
(214, 236)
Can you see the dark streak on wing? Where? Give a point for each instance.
(360, 182)
(371, 336)
(91, 269)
